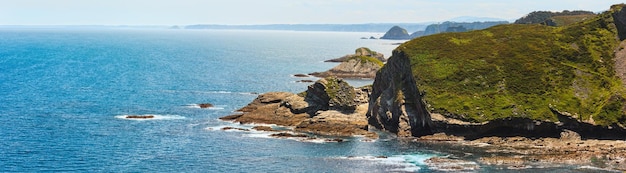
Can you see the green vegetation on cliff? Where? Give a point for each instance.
(366, 59)
(522, 71)
(538, 17)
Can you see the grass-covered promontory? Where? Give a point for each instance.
(366, 59)
(520, 70)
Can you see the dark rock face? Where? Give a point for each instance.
(620, 22)
(396, 33)
(396, 104)
(331, 93)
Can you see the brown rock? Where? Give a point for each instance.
(568, 135)
(305, 81)
(300, 75)
(334, 123)
(447, 164)
(205, 105)
(140, 116)
(263, 128)
(329, 107)
(441, 137)
(231, 117)
(289, 135)
(235, 128)
(352, 68)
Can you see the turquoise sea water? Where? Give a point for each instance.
(64, 93)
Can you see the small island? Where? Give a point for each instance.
(363, 64)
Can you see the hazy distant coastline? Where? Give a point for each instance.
(372, 27)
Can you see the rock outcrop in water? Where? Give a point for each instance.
(328, 107)
(357, 67)
(396, 33)
(362, 51)
(363, 64)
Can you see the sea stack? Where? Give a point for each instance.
(396, 33)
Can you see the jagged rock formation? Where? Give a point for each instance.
(507, 77)
(328, 107)
(362, 51)
(354, 67)
(396, 33)
(395, 103)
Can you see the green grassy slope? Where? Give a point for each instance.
(522, 71)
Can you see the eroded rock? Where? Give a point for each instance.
(328, 107)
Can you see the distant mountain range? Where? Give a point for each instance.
(368, 27)
(470, 19)
(371, 27)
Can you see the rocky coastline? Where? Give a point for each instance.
(395, 104)
(328, 107)
(364, 63)
(330, 110)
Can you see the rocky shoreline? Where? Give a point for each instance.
(522, 152)
(331, 107)
(394, 104)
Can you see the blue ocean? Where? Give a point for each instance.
(65, 93)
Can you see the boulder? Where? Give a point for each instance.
(331, 93)
(140, 116)
(205, 105)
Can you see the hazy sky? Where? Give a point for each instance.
(186, 12)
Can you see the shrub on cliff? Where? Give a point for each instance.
(331, 93)
(537, 17)
(522, 71)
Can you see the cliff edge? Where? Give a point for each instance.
(507, 73)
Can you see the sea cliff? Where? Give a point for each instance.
(513, 71)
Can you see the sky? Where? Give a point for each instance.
(250, 12)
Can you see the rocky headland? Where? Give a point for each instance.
(396, 33)
(516, 89)
(364, 63)
(525, 94)
(329, 107)
(356, 67)
(362, 51)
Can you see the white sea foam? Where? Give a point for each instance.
(248, 131)
(209, 92)
(155, 117)
(403, 163)
(197, 106)
(235, 127)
